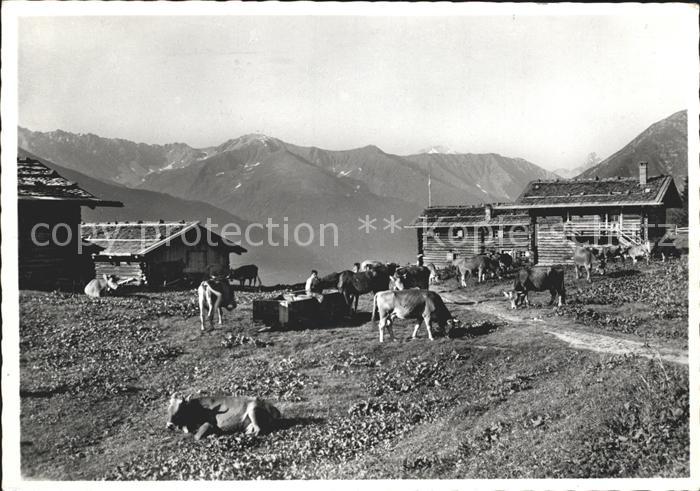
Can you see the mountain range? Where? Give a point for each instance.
(456, 178)
(664, 145)
(257, 178)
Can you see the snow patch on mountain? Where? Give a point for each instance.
(438, 149)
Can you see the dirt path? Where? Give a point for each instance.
(569, 331)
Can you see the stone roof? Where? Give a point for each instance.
(469, 216)
(139, 239)
(615, 191)
(36, 181)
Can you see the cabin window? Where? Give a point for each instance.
(457, 233)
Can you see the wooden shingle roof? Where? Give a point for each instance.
(127, 239)
(615, 191)
(468, 216)
(37, 182)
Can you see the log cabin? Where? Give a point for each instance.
(446, 233)
(549, 218)
(617, 210)
(159, 253)
(51, 254)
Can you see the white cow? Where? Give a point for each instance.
(216, 293)
(102, 286)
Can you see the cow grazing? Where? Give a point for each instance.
(480, 264)
(100, 287)
(584, 258)
(537, 279)
(249, 273)
(637, 252)
(410, 277)
(352, 285)
(216, 293)
(421, 305)
(223, 414)
(434, 278)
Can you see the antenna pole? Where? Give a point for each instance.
(430, 194)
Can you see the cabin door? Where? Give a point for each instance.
(197, 261)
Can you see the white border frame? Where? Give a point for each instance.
(12, 10)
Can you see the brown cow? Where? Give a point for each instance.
(585, 258)
(222, 414)
(410, 277)
(352, 285)
(537, 279)
(480, 264)
(423, 306)
(249, 273)
(641, 251)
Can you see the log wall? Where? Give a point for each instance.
(552, 244)
(123, 269)
(51, 260)
(442, 245)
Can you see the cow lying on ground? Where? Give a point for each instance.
(216, 293)
(537, 279)
(410, 277)
(223, 414)
(100, 287)
(352, 285)
(421, 305)
(249, 273)
(480, 264)
(584, 258)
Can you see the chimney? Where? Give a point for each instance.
(643, 173)
(487, 212)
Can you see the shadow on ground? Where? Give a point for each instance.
(473, 330)
(286, 423)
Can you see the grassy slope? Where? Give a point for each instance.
(504, 400)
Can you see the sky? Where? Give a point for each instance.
(547, 88)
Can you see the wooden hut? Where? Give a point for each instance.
(50, 251)
(618, 210)
(158, 253)
(446, 233)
